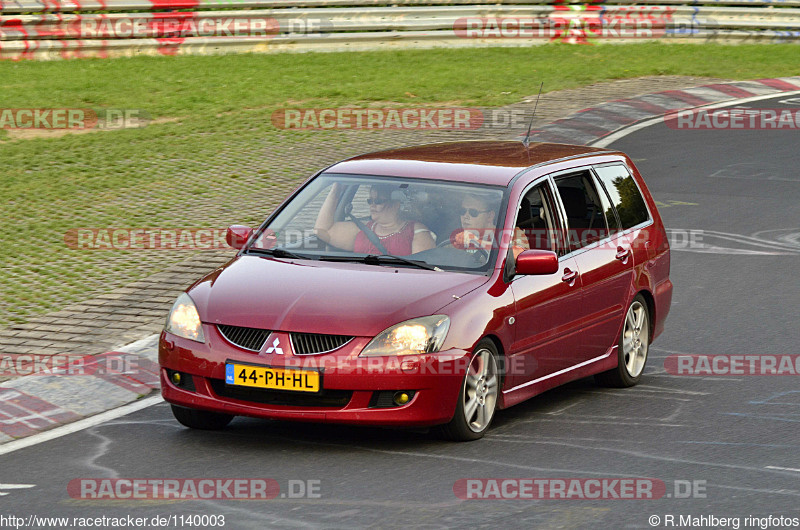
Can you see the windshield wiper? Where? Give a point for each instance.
(277, 253)
(383, 259)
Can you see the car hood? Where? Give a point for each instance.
(324, 297)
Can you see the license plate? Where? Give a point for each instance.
(272, 378)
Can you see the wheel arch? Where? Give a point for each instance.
(504, 363)
(651, 310)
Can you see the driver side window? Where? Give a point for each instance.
(536, 221)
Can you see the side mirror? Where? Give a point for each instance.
(237, 235)
(533, 262)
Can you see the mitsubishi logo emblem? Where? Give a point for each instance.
(275, 348)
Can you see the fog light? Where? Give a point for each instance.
(176, 378)
(401, 398)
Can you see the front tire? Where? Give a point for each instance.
(201, 419)
(634, 344)
(477, 399)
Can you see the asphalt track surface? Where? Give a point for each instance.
(734, 437)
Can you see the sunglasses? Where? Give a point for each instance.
(377, 201)
(473, 212)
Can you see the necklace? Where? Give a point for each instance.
(392, 233)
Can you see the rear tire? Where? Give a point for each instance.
(633, 347)
(201, 419)
(477, 399)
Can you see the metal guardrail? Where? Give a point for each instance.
(72, 6)
(50, 29)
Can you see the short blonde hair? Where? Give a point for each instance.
(490, 203)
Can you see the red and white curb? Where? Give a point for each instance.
(590, 126)
(35, 403)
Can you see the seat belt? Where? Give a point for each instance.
(372, 236)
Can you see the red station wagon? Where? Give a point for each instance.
(426, 286)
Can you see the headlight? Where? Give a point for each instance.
(184, 321)
(412, 337)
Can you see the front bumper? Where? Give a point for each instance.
(350, 385)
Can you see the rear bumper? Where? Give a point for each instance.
(349, 383)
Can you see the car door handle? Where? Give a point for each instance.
(569, 276)
(622, 253)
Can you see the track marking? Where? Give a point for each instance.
(670, 203)
(626, 395)
(762, 417)
(14, 487)
(653, 388)
(792, 493)
(571, 420)
(79, 425)
(717, 175)
(561, 410)
(783, 468)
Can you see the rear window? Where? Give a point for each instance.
(624, 195)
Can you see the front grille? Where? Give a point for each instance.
(326, 398)
(252, 339)
(310, 343)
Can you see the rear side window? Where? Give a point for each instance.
(624, 194)
(585, 217)
(608, 210)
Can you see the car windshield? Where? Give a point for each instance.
(407, 222)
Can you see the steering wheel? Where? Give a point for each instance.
(445, 243)
(481, 255)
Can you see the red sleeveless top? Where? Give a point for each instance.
(398, 243)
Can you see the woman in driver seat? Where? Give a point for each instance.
(400, 237)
